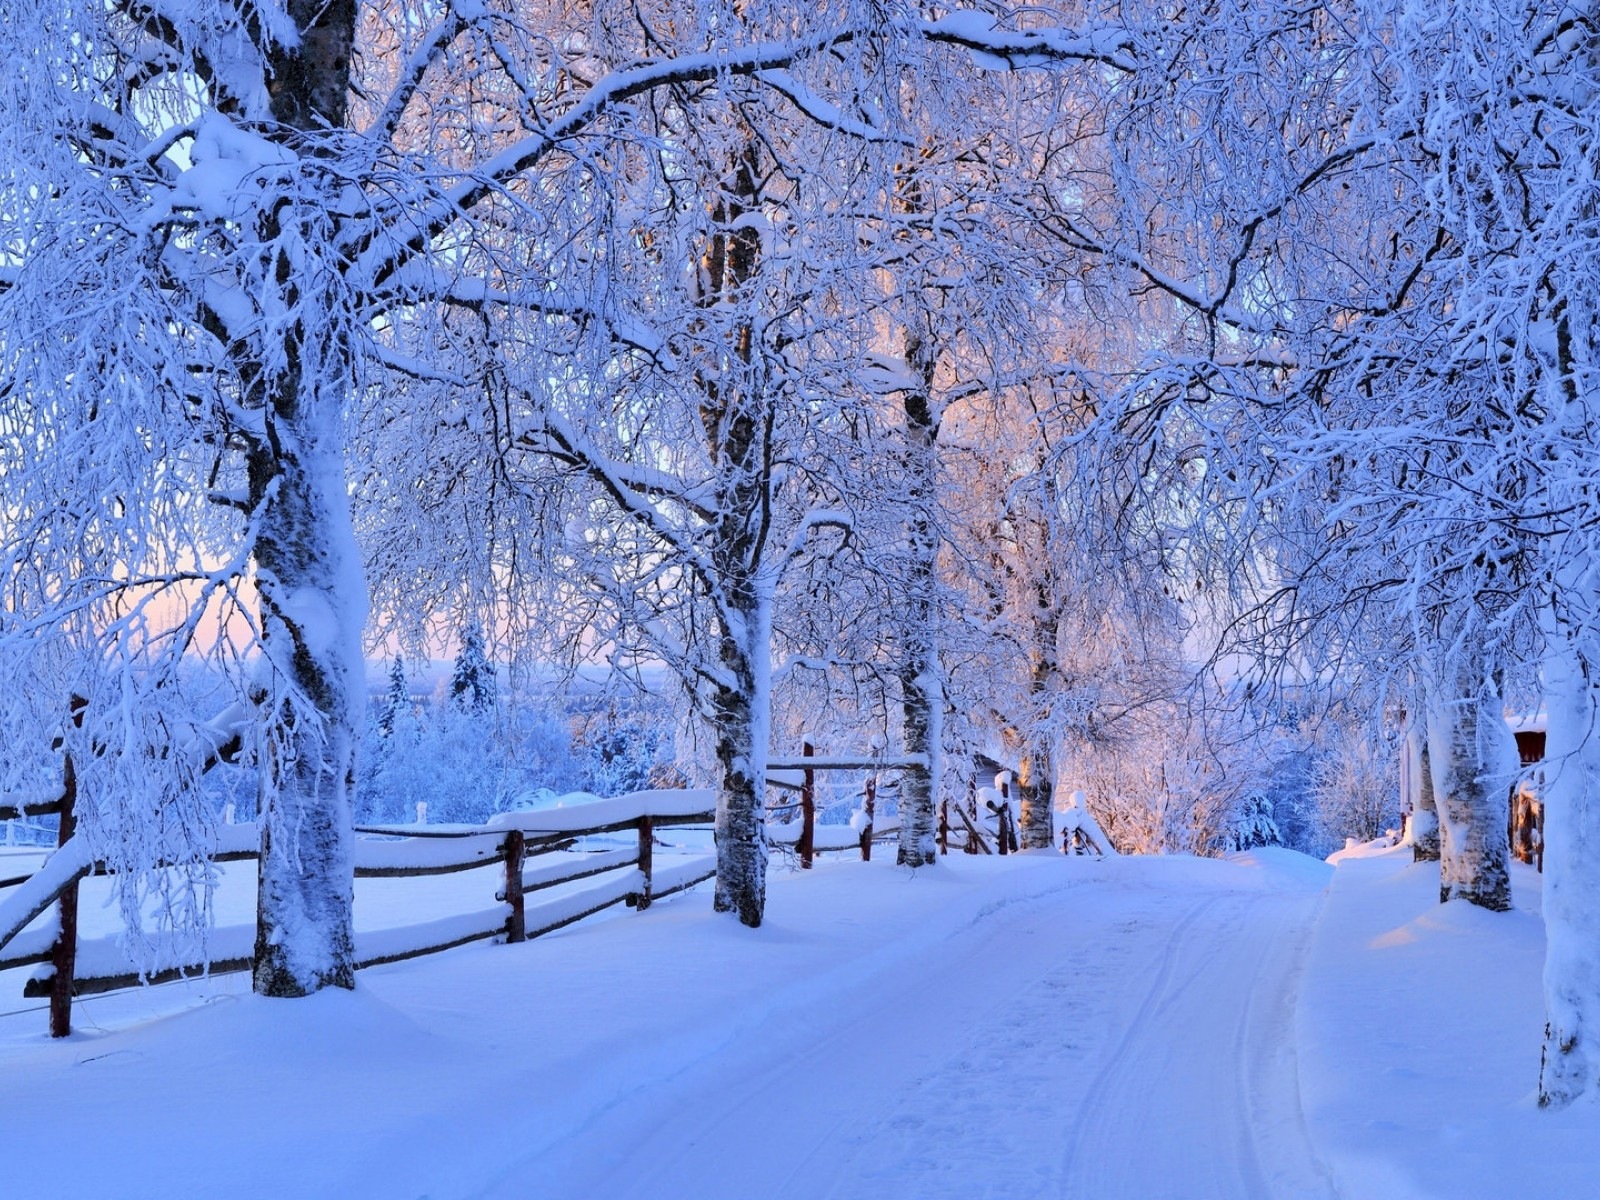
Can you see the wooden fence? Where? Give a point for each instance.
(532, 851)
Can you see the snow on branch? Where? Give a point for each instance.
(825, 113)
(1111, 45)
(636, 490)
(429, 51)
(380, 259)
(822, 518)
(476, 294)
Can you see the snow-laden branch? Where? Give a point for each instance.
(378, 259)
(635, 490)
(477, 294)
(415, 368)
(1221, 304)
(1111, 45)
(823, 112)
(820, 518)
(430, 50)
(108, 134)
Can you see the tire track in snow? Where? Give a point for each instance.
(899, 1082)
(1205, 1068)
(1155, 999)
(1143, 1029)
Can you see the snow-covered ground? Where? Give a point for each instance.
(997, 1027)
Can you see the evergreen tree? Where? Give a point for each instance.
(396, 700)
(472, 683)
(1256, 825)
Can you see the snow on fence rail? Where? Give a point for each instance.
(78, 967)
(86, 966)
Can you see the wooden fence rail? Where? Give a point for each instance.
(632, 875)
(515, 842)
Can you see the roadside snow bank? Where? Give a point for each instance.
(1419, 1030)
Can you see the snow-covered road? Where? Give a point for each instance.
(1006, 1028)
(1093, 1042)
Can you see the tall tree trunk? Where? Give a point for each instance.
(1571, 797)
(1471, 748)
(312, 608)
(1424, 812)
(1570, 618)
(736, 416)
(1035, 774)
(1035, 824)
(742, 716)
(312, 595)
(921, 692)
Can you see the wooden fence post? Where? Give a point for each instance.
(647, 856)
(944, 826)
(1002, 813)
(872, 809)
(515, 850)
(973, 845)
(64, 956)
(808, 811)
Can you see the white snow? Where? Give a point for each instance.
(1075, 817)
(1034, 1025)
(663, 802)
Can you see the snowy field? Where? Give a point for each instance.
(1031, 1026)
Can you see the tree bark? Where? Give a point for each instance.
(741, 721)
(736, 417)
(1035, 823)
(1571, 799)
(312, 605)
(1424, 812)
(312, 594)
(1470, 747)
(921, 694)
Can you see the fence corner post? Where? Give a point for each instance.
(515, 849)
(64, 955)
(647, 853)
(808, 811)
(944, 826)
(871, 804)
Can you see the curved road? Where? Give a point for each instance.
(1097, 1043)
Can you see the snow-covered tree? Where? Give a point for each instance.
(210, 254)
(472, 677)
(1422, 829)
(396, 698)
(1356, 783)
(1255, 825)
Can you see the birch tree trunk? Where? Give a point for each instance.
(1571, 797)
(922, 697)
(736, 416)
(741, 719)
(1424, 812)
(1035, 824)
(1469, 744)
(310, 703)
(312, 597)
